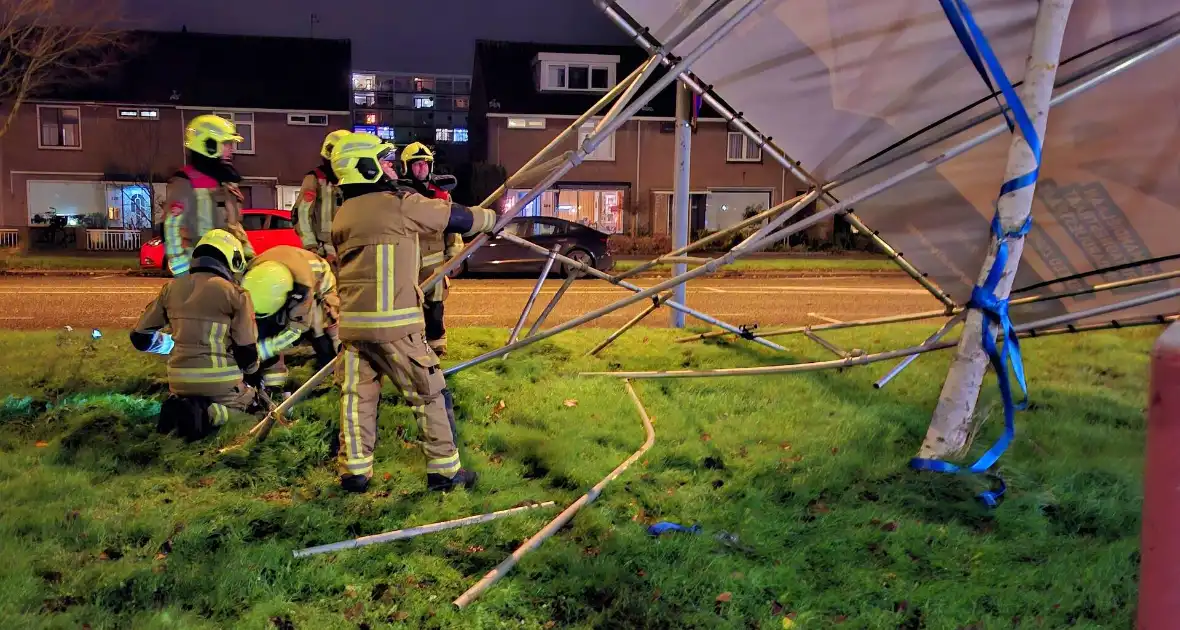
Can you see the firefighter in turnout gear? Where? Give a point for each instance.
(376, 235)
(418, 171)
(294, 296)
(318, 199)
(212, 353)
(204, 195)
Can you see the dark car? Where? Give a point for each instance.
(576, 241)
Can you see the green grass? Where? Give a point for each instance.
(107, 524)
(64, 262)
(816, 263)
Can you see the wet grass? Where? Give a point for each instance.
(69, 262)
(106, 523)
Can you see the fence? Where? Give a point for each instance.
(112, 240)
(9, 238)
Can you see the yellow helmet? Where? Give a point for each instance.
(268, 283)
(416, 151)
(229, 247)
(330, 142)
(357, 157)
(205, 135)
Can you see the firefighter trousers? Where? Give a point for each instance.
(240, 397)
(435, 327)
(414, 369)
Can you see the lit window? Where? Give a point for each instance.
(443, 135)
(423, 102)
(365, 129)
(526, 123)
(364, 99)
(130, 113)
(460, 135)
(385, 133)
(371, 118)
(364, 82)
(244, 122)
(741, 148)
(606, 149)
(462, 102)
(315, 120)
(586, 73)
(61, 127)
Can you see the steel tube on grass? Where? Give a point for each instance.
(551, 305)
(411, 532)
(1027, 329)
(528, 305)
(651, 308)
(535, 541)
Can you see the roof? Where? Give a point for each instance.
(231, 71)
(506, 70)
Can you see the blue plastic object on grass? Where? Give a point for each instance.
(161, 343)
(664, 527)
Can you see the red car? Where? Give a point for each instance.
(265, 228)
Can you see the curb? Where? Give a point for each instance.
(767, 274)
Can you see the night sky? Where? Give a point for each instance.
(428, 36)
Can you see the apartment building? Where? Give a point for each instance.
(98, 155)
(404, 107)
(525, 94)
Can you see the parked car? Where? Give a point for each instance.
(579, 242)
(265, 228)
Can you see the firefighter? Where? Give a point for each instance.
(376, 235)
(418, 170)
(317, 203)
(212, 355)
(294, 295)
(204, 194)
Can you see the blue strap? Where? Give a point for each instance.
(664, 527)
(983, 298)
(952, 15)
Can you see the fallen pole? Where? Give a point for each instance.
(897, 369)
(630, 324)
(262, 429)
(1024, 330)
(551, 305)
(586, 499)
(528, 305)
(411, 532)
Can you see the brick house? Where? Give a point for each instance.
(98, 155)
(525, 94)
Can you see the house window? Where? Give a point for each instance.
(370, 118)
(605, 151)
(244, 122)
(526, 123)
(364, 99)
(457, 135)
(462, 103)
(61, 127)
(315, 120)
(594, 73)
(741, 148)
(423, 102)
(423, 84)
(460, 135)
(366, 82)
(133, 113)
(385, 133)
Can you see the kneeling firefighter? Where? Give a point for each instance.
(376, 233)
(294, 295)
(212, 352)
(204, 195)
(418, 170)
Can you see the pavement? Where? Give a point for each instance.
(115, 301)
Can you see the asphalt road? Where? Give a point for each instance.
(38, 303)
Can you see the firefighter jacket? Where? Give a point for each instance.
(312, 305)
(436, 249)
(376, 235)
(196, 203)
(212, 321)
(313, 212)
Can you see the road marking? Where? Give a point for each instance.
(6, 318)
(826, 319)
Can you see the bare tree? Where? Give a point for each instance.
(137, 157)
(47, 43)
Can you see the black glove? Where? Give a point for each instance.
(325, 350)
(253, 379)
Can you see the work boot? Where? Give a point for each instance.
(354, 483)
(438, 345)
(462, 479)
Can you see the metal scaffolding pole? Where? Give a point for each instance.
(1030, 329)
(551, 305)
(528, 305)
(655, 303)
(607, 126)
(904, 363)
(680, 193)
(951, 426)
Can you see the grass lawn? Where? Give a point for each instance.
(64, 262)
(815, 263)
(107, 524)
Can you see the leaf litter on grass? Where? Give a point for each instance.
(855, 537)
